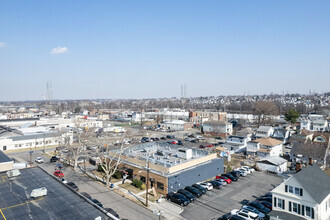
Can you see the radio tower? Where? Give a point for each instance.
(49, 95)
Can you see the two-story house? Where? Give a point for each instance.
(264, 147)
(235, 144)
(305, 195)
(219, 128)
(264, 131)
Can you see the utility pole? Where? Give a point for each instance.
(147, 182)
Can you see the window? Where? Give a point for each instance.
(308, 211)
(160, 186)
(143, 179)
(291, 189)
(295, 207)
(16, 145)
(280, 203)
(296, 191)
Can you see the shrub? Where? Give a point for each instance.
(117, 174)
(99, 168)
(137, 183)
(143, 186)
(229, 168)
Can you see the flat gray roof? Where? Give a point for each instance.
(60, 203)
(4, 158)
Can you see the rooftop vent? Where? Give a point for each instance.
(13, 173)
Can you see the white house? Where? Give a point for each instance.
(177, 125)
(264, 131)
(219, 128)
(273, 164)
(236, 143)
(305, 195)
(264, 147)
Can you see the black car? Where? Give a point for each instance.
(266, 204)
(178, 198)
(230, 177)
(97, 202)
(73, 185)
(265, 198)
(260, 207)
(216, 184)
(187, 194)
(193, 141)
(163, 138)
(112, 212)
(228, 216)
(168, 136)
(194, 191)
(200, 188)
(179, 142)
(235, 174)
(53, 159)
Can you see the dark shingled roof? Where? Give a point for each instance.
(314, 181)
(4, 158)
(278, 215)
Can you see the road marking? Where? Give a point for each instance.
(24, 203)
(3, 214)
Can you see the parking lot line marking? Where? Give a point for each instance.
(24, 203)
(3, 214)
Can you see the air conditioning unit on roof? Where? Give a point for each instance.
(13, 173)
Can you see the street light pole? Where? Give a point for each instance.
(147, 182)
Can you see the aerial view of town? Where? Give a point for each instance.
(165, 110)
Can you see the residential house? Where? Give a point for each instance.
(305, 195)
(281, 134)
(177, 125)
(264, 147)
(218, 128)
(264, 131)
(235, 144)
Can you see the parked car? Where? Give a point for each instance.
(201, 146)
(201, 188)
(260, 207)
(248, 168)
(174, 142)
(73, 185)
(58, 173)
(230, 177)
(236, 174)
(209, 145)
(112, 212)
(222, 181)
(179, 142)
(245, 214)
(53, 159)
(242, 172)
(163, 138)
(269, 194)
(64, 181)
(229, 216)
(194, 191)
(86, 195)
(97, 202)
(193, 141)
(228, 180)
(187, 194)
(178, 198)
(216, 184)
(266, 204)
(39, 160)
(265, 198)
(206, 185)
(252, 209)
(168, 136)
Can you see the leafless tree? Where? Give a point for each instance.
(263, 109)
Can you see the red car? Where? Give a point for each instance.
(224, 178)
(59, 174)
(210, 145)
(174, 142)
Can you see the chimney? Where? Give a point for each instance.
(310, 162)
(298, 167)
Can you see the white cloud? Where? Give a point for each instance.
(58, 50)
(2, 44)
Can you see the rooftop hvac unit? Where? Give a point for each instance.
(13, 173)
(39, 192)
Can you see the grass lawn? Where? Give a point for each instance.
(151, 196)
(130, 187)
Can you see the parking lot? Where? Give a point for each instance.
(216, 203)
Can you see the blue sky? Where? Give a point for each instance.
(147, 49)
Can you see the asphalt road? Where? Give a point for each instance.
(124, 207)
(232, 196)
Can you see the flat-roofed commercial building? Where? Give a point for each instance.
(171, 167)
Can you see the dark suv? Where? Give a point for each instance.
(53, 159)
(194, 191)
(200, 188)
(178, 198)
(187, 194)
(230, 177)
